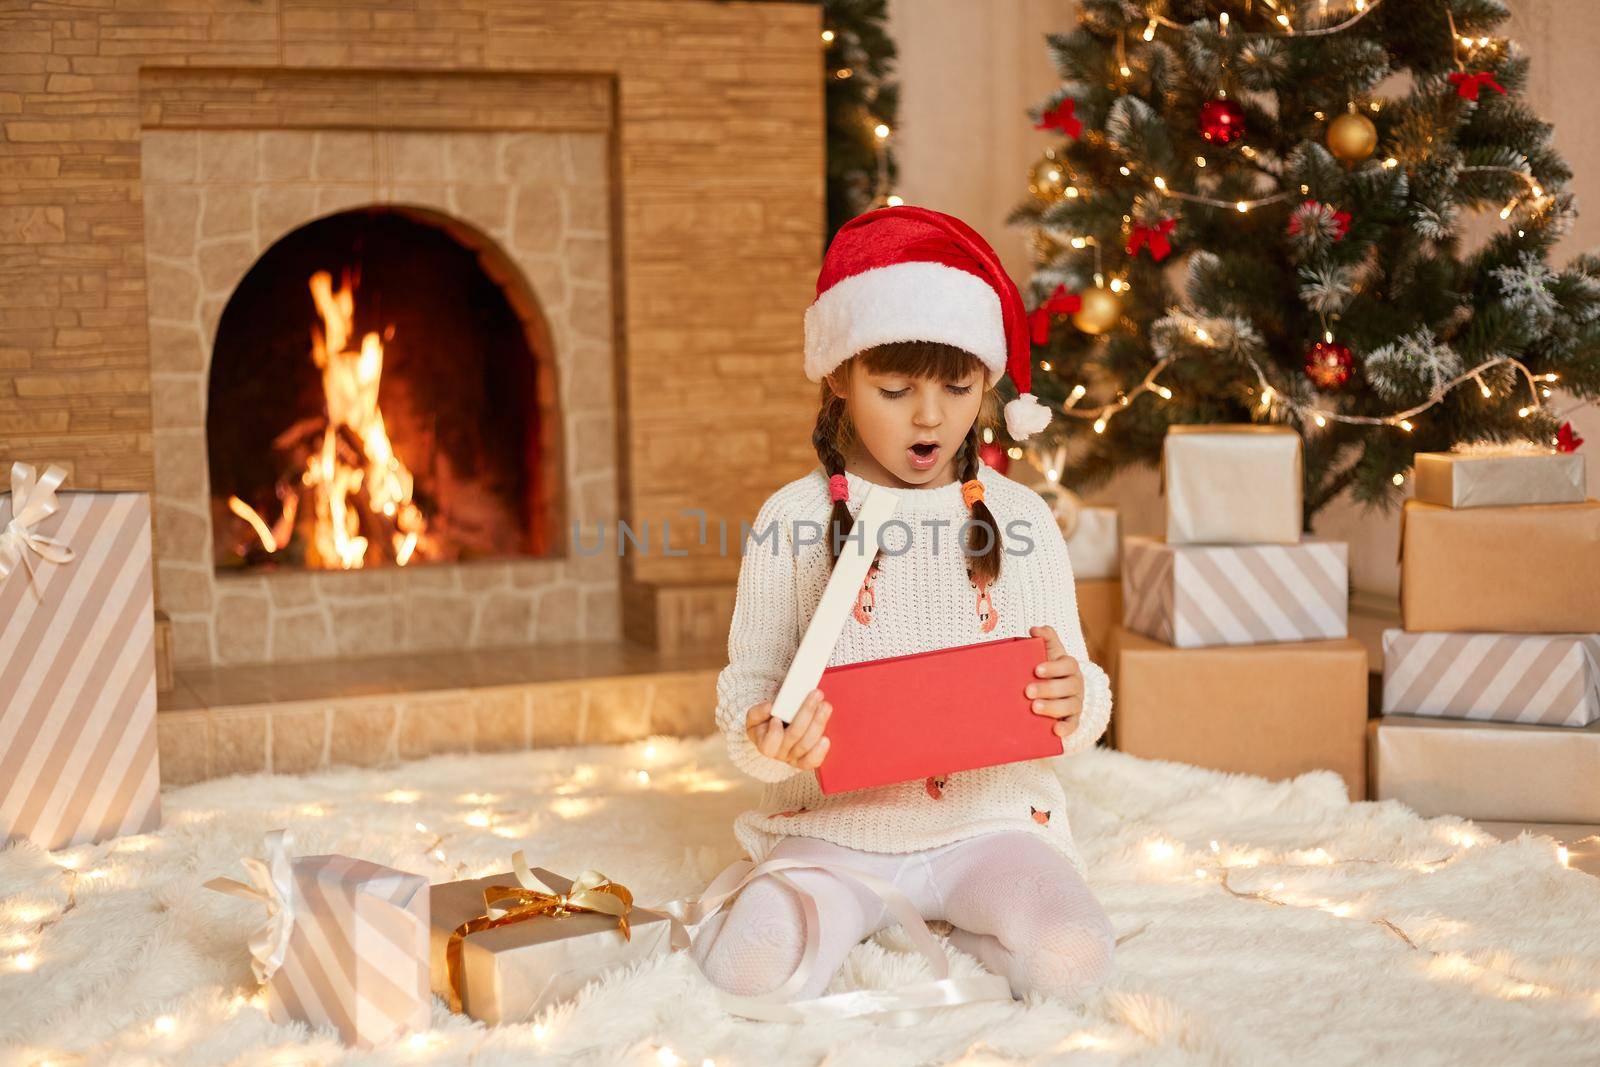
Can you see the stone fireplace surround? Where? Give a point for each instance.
(536, 205)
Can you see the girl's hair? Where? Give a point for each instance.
(833, 433)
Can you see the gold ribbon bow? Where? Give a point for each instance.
(33, 499)
(532, 898)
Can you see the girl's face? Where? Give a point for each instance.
(908, 429)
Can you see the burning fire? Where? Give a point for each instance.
(360, 490)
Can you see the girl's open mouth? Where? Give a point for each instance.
(923, 457)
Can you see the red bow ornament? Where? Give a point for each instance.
(1061, 118)
(1469, 85)
(1567, 439)
(1152, 237)
(1060, 302)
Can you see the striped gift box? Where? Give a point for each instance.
(77, 667)
(1192, 596)
(1550, 679)
(345, 945)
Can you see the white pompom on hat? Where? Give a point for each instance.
(913, 274)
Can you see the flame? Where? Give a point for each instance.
(248, 514)
(350, 380)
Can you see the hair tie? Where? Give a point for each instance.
(838, 488)
(971, 492)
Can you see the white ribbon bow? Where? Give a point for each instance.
(33, 499)
(583, 893)
(274, 886)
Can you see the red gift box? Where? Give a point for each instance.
(930, 713)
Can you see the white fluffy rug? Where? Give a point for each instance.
(1377, 937)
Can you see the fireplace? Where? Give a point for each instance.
(373, 402)
(382, 387)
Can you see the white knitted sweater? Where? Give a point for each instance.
(918, 601)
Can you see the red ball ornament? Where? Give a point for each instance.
(1221, 121)
(994, 456)
(1328, 364)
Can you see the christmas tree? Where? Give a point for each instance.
(1256, 213)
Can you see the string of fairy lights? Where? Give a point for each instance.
(1275, 401)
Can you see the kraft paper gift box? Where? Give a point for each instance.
(903, 718)
(1094, 545)
(1552, 679)
(1275, 710)
(1234, 483)
(511, 971)
(1099, 612)
(1512, 772)
(1192, 596)
(345, 945)
(1533, 569)
(1498, 478)
(78, 758)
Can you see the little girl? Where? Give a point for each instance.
(914, 323)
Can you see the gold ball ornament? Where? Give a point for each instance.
(1100, 311)
(1352, 137)
(1047, 179)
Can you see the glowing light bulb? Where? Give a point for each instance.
(1100, 425)
(1150, 31)
(1222, 20)
(1079, 242)
(1161, 183)
(1163, 392)
(1044, 364)
(827, 35)
(1522, 413)
(1124, 171)
(1199, 161)
(644, 777)
(1320, 420)
(895, 201)
(1405, 424)
(1399, 479)
(1484, 389)
(1241, 207)
(1072, 192)
(1391, 163)
(881, 130)
(1200, 332)
(165, 1024)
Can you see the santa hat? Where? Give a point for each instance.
(912, 274)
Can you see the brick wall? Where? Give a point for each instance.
(719, 135)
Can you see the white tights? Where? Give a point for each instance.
(1017, 904)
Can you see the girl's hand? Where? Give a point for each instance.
(800, 744)
(1060, 693)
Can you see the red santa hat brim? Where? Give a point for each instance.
(917, 300)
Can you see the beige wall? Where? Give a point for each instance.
(969, 72)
